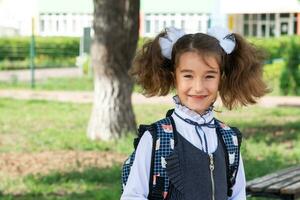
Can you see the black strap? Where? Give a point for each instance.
(230, 179)
(156, 193)
(141, 130)
(240, 138)
(229, 187)
(169, 112)
(154, 135)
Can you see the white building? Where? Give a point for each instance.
(263, 18)
(64, 17)
(51, 17)
(259, 18)
(190, 15)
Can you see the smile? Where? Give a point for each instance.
(198, 96)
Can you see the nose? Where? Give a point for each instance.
(198, 85)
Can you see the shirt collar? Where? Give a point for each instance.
(187, 113)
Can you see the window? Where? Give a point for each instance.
(254, 17)
(263, 30)
(284, 15)
(272, 30)
(182, 24)
(148, 26)
(156, 26)
(254, 30)
(199, 25)
(50, 25)
(164, 24)
(246, 29)
(57, 26)
(173, 22)
(284, 28)
(42, 25)
(74, 25)
(65, 25)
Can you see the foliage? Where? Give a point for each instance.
(50, 52)
(274, 47)
(290, 77)
(272, 73)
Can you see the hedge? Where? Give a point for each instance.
(15, 51)
(50, 52)
(275, 47)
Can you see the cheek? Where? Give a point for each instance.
(214, 86)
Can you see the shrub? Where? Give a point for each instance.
(50, 52)
(290, 78)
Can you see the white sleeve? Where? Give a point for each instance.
(239, 188)
(137, 187)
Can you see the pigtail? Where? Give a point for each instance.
(242, 75)
(151, 70)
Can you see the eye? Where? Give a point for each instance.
(210, 76)
(187, 76)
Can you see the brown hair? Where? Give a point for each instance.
(241, 71)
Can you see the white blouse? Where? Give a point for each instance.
(137, 187)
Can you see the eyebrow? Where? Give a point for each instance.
(186, 70)
(190, 71)
(212, 71)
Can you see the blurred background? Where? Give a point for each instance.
(46, 92)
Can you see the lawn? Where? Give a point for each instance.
(84, 83)
(45, 154)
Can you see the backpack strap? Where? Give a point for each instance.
(163, 145)
(231, 139)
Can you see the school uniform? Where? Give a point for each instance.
(188, 166)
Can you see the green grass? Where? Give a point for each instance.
(84, 83)
(271, 142)
(92, 183)
(44, 125)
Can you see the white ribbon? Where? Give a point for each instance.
(166, 43)
(225, 37)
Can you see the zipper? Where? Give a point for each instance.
(212, 167)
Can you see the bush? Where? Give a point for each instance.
(50, 52)
(290, 78)
(285, 82)
(40, 62)
(275, 47)
(272, 74)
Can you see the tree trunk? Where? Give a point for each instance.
(116, 26)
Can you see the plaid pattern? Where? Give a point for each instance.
(126, 169)
(165, 137)
(165, 146)
(230, 139)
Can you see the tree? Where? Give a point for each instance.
(290, 76)
(116, 25)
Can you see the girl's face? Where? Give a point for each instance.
(197, 80)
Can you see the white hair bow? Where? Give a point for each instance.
(166, 43)
(225, 37)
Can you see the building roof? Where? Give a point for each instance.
(65, 6)
(176, 6)
(260, 6)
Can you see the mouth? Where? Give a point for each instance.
(199, 97)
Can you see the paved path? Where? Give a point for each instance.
(40, 74)
(87, 97)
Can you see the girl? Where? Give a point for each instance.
(199, 66)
